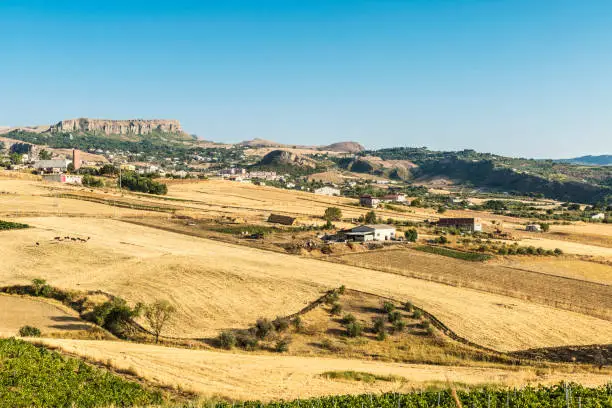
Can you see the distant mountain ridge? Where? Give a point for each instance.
(601, 160)
(118, 127)
(340, 147)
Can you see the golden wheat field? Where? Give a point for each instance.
(267, 377)
(499, 277)
(216, 285)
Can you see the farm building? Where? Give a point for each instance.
(395, 198)
(599, 216)
(373, 232)
(63, 178)
(369, 201)
(52, 166)
(281, 219)
(533, 228)
(464, 224)
(328, 191)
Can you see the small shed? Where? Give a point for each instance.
(281, 219)
(533, 228)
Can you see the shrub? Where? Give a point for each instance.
(40, 288)
(354, 329)
(29, 331)
(545, 227)
(341, 290)
(8, 225)
(227, 340)
(91, 181)
(348, 318)
(282, 345)
(558, 251)
(388, 307)
(332, 297)
(297, 323)
(399, 325)
(333, 214)
(417, 314)
(379, 325)
(411, 235)
(281, 324)
(115, 316)
(336, 309)
(381, 335)
(263, 327)
(247, 341)
(370, 217)
(394, 316)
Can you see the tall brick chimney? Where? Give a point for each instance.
(76, 159)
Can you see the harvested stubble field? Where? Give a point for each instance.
(50, 317)
(268, 377)
(565, 266)
(216, 285)
(572, 294)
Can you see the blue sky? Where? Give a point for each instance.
(528, 78)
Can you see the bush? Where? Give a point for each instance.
(297, 323)
(388, 307)
(417, 314)
(381, 335)
(394, 316)
(40, 288)
(348, 319)
(8, 225)
(332, 297)
(263, 327)
(370, 217)
(333, 214)
(558, 252)
(227, 340)
(135, 182)
(91, 181)
(29, 331)
(341, 290)
(411, 235)
(115, 316)
(247, 341)
(399, 325)
(281, 324)
(336, 309)
(379, 325)
(354, 329)
(408, 306)
(282, 345)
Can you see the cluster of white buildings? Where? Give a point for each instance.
(239, 174)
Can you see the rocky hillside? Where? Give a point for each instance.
(117, 127)
(344, 147)
(283, 158)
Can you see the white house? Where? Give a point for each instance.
(598, 216)
(328, 191)
(372, 232)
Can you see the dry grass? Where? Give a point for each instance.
(52, 318)
(267, 377)
(495, 278)
(217, 286)
(566, 266)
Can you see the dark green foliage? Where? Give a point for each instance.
(29, 331)
(411, 235)
(354, 329)
(379, 325)
(332, 297)
(247, 341)
(545, 226)
(282, 345)
(281, 324)
(556, 396)
(399, 326)
(35, 377)
(348, 319)
(388, 307)
(341, 289)
(135, 182)
(115, 316)
(408, 306)
(336, 309)
(91, 181)
(227, 340)
(8, 225)
(263, 327)
(297, 323)
(466, 256)
(370, 217)
(417, 314)
(333, 214)
(41, 288)
(394, 316)
(381, 335)
(44, 155)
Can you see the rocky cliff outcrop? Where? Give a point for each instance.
(285, 158)
(117, 127)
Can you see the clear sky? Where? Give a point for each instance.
(523, 77)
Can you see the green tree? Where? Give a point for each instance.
(15, 158)
(411, 235)
(333, 214)
(45, 155)
(545, 226)
(157, 315)
(370, 217)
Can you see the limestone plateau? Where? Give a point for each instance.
(118, 127)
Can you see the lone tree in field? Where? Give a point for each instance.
(333, 214)
(157, 315)
(370, 217)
